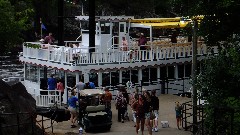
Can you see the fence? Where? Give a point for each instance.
(223, 120)
(187, 117)
(26, 123)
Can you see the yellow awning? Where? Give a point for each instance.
(156, 20)
(164, 25)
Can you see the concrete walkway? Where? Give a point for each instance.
(167, 113)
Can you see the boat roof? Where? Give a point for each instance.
(106, 18)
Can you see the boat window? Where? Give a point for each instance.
(105, 79)
(163, 73)
(134, 76)
(171, 72)
(180, 71)
(145, 76)
(31, 73)
(114, 78)
(105, 28)
(93, 77)
(125, 76)
(153, 74)
(188, 70)
(121, 27)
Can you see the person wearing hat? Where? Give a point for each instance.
(142, 41)
(178, 110)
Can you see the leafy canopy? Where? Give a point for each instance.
(14, 20)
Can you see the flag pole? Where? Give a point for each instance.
(41, 26)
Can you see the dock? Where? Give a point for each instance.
(166, 113)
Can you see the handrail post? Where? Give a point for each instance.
(42, 126)
(32, 124)
(0, 124)
(18, 124)
(185, 116)
(202, 121)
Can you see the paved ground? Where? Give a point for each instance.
(167, 113)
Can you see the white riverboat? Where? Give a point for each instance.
(164, 66)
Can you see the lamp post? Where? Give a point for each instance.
(194, 72)
(92, 26)
(60, 22)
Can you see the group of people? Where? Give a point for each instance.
(142, 41)
(144, 106)
(81, 85)
(55, 84)
(73, 100)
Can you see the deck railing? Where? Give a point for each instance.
(48, 98)
(81, 56)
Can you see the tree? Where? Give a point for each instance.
(220, 19)
(219, 79)
(219, 85)
(14, 20)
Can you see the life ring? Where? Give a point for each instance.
(129, 85)
(131, 54)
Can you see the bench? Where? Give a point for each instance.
(96, 110)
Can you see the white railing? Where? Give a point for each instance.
(13, 79)
(49, 98)
(80, 56)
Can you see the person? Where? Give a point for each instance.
(133, 110)
(79, 86)
(121, 106)
(124, 44)
(106, 98)
(51, 84)
(72, 107)
(138, 107)
(133, 98)
(178, 110)
(60, 88)
(142, 41)
(49, 39)
(125, 95)
(91, 85)
(148, 110)
(155, 108)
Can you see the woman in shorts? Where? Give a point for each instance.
(148, 111)
(138, 107)
(72, 107)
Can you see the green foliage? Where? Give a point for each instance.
(220, 20)
(14, 20)
(219, 84)
(30, 45)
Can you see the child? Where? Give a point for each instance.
(155, 107)
(178, 109)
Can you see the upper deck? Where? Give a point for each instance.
(77, 59)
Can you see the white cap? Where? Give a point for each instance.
(143, 89)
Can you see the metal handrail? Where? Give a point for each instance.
(78, 37)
